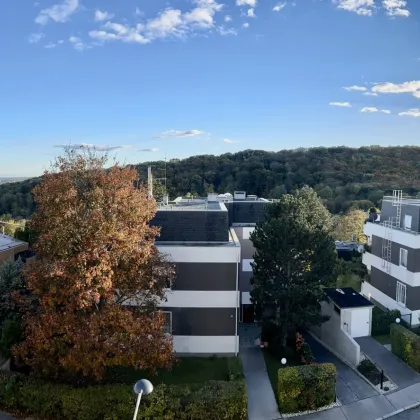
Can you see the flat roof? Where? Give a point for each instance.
(192, 206)
(233, 241)
(7, 242)
(409, 201)
(347, 297)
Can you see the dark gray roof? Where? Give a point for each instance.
(347, 297)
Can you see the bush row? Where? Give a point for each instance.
(406, 345)
(309, 387)
(382, 320)
(219, 400)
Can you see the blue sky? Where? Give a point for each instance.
(205, 76)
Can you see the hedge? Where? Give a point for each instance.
(309, 387)
(219, 400)
(382, 320)
(406, 345)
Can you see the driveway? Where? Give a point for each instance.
(350, 386)
(396, 370)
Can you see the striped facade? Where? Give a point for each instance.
(395, 281)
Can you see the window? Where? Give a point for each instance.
(246, 265)
(403, 257)
(407, 222)
(401, 293)
(246, 231)
(168, 322)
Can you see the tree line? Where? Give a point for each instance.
(343, 177)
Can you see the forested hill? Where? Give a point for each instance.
(342, 176)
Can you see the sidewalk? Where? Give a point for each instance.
(262, 404)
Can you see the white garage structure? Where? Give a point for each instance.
(355, 311)
(349, 316)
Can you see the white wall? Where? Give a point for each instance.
(407, 238)
(247, 231)
(369, 291)
(205, 344)
(201, 253)
(334, 337)
(201, 299)
(397, 271)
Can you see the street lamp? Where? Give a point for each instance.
(283, 361)
(398, 320)
(142, 387)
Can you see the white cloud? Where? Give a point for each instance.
(78, 44)
(341, 104)
(396, 8)
(226, 31)
(61, 41)
(179, 134)
(138, 12)
(35, 38)
(374, 109)
(414, 112)
(412, 87)
(279, 7)
(361, 7)
(355, 88)
(245, 25)
(228, 18)
(251, 13)
(168, 23)
(50, 45)
(370, 94)
(153, 150)
(58, 12)
(251, 3)
(101, 16)
(229, 141)
(85, 146)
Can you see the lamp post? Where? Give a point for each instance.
(142, 387)
(398, 320)
(283, 361)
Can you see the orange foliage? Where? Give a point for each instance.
(98, 276)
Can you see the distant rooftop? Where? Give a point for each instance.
(347, 297)
(192, 205)
(7, 242)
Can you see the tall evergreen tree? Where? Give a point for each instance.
(295, 256)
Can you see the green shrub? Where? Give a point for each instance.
(219, 400)
(406, 345)
(11, 334)
(304, 388)
(382, 320)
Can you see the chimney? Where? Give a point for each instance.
(150, 182)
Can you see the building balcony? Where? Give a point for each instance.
(409, 238)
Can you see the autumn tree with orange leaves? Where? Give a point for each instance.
(98, 276)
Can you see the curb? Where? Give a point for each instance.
(401, 410)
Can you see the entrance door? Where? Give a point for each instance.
(247, 313)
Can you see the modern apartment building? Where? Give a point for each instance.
(394, 257)
(208, 242)
(11, 248)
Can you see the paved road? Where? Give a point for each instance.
(350, 386)
(413, 414)
(5, 416)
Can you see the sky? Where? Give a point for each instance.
(146, 79)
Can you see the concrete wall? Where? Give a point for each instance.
(390, 211)
(335, 338)
(413, 256)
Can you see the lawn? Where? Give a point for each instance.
(273, 365)
(383, 339)
(187, 370)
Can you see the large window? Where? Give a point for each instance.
(168, 322)
(401, 293)
(403, 257)
(407, 222)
